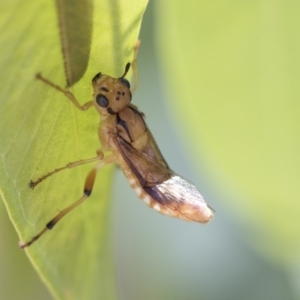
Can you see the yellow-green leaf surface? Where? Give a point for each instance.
(233, 69)
(41, 130)
(75, 24)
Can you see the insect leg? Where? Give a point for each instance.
(134, 65)
(67, 93)
(33, 184)
(88, 186)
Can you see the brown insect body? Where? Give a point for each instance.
(124, 134)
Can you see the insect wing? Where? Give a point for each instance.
(178, 194)
(149, 169)
(162, 184)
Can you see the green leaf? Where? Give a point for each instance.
(233, 69)
(41, 130)
(75, 24)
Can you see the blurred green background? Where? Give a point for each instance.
(243, 79)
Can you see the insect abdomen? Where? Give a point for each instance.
(146, 198)
(154, 198)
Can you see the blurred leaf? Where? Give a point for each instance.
(233, 69)
(41, 130)
(75, 24)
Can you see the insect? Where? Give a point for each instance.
(124, 133)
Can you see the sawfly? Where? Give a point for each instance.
(125, 135)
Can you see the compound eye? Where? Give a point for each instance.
(125, 82)
(102, 100)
